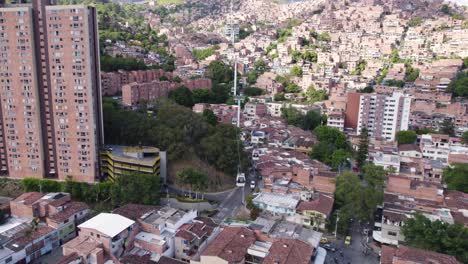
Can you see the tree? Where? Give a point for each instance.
(210, 117)
(310, 56)
(363, 148)
(292, 88)
(464, 138)
(331, 136)
(202, 54)
(417, 21)
(135, 188)
(406, 137)
(442, 237)
(253, 91)
(311, 120)
(182, 95)
(456, 177)
(296, 71)
(3, 216)
(447, 128)
(360, 67)
(459, 85)
(354, 199)
(203, 96)
(411, 73)
(339, 158)
(279, 97)
(293, 116)
(219, 72)
(374, 175)
(314, 95)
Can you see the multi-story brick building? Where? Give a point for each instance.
(51, 117)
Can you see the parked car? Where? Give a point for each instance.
(348, 240)
(329, 247)
(324, 240)
(252, 185)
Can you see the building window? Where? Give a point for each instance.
(392, 233)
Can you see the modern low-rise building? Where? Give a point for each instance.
(118, 160)
(276, 203)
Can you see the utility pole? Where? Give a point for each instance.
(336, 223)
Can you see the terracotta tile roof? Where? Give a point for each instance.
(134, 259)
(134, 211)
(409, 147)
(231, 244)
(387, 254)
(322, 204)
(71, 209)
(29, 198)
(289, 251)
(69, 258)
(22, 239)
(414, 255)
(456, 200)
(167, 260)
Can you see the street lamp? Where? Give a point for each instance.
(336, 223)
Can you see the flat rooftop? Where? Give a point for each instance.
(134, 154)
(277, 200)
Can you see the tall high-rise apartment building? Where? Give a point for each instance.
(51, 115)
(383, 115)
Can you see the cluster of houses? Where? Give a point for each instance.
(40, 223)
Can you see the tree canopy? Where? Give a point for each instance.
(309, 121)
(332, 148)
(459, 86)
(182, 95)
(296, 71)
(363, 148)
(354, 200)
(456, 177)
(173, 128)
(406, 137)
(442, 237)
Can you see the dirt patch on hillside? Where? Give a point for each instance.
(218, 181)
(10, 188)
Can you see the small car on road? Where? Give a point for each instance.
(347, 240)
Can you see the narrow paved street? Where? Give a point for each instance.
(354, 253)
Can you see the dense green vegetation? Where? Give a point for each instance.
(177, 130)
(315, 95)
(260, 67)
(452, 239)
(296, 71)
(447, 127)
(456, 177)
(355, 200)
(253, 91)
(411, 73)
(131, 188)
(395, 83)
(464, 138)
(459, 86)
(332, 149)
(406, 137)
(417, 21)
(292, 88)
(201, 54)
(109, 64)
(363, 148)
(295, 118)
(182, 95)
(360, 67)
(195, 179)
